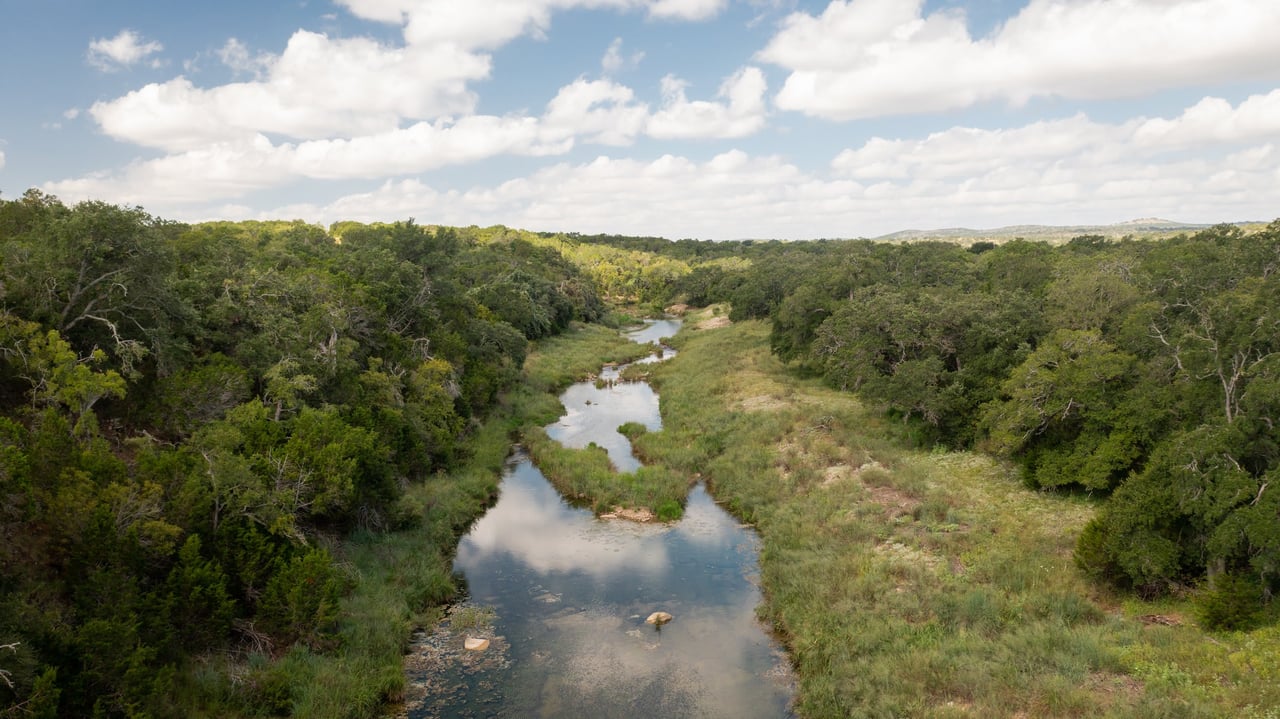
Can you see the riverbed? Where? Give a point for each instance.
(562, 598)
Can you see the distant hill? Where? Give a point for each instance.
(1141, 226)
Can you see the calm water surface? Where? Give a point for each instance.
(594, 413)
(655, 330)
(570, 593)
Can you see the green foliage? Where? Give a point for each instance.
(186, 411)
(669, 511)
(57, 376)
(200, 394)
(927, 355)
(1230, 602)
(1058, 412)
(300, 602)
(1194, 509)
(201, 609)
(796, 323)
(94, 273)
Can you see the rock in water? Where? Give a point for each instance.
(658, 618)
(475, 645)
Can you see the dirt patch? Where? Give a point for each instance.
(677, 309)
(836, 473)
(910, 556)
(638, 514)
(714, 323)
(1114, 688)
(896, 503)
(1162, 620)
(761, 403)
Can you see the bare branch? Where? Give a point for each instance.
(5, 674)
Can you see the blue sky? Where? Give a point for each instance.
(715, 119)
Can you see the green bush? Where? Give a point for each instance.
(669, 511)
(301, 602)
(1229, 602)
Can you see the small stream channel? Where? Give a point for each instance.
(568, 595)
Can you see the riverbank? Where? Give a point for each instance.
(905, 583)
(927, 584)
(586, 475)
(402, 580)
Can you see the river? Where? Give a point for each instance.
(562, 597)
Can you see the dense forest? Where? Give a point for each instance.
(1143, 372)
(192, 415)
(191, 412)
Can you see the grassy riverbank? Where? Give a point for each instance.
(402, 580)
(928, 584)
(585, 474)
(905, 583)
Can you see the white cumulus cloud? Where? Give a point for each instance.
(1073, 143)
(125, 49)
(686, 9)
(866, 58)
(219, 141)
(1067, 171)
(488, 24)
(236, 56)
(1214, 120)
(601, 111)
(741, 113)
(318, 87)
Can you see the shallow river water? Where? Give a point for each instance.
(569, 595)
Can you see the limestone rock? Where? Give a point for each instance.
(638, 514)
(475, 645)
(658, 619)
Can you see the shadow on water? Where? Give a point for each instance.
(570, 594)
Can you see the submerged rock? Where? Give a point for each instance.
(658, 619)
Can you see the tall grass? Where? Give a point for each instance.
(910, 583)
(585, 475)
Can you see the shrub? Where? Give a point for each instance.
(1229, 602)
(301, 602)
(669, 511)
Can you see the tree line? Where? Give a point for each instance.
(1143, 372)
(190, 414)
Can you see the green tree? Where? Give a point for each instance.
(1196, 509)
(56, 374)
(200, 608)
(1059, 412)
(300, 603)
(96, 274)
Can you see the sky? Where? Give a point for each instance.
(710, 119)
